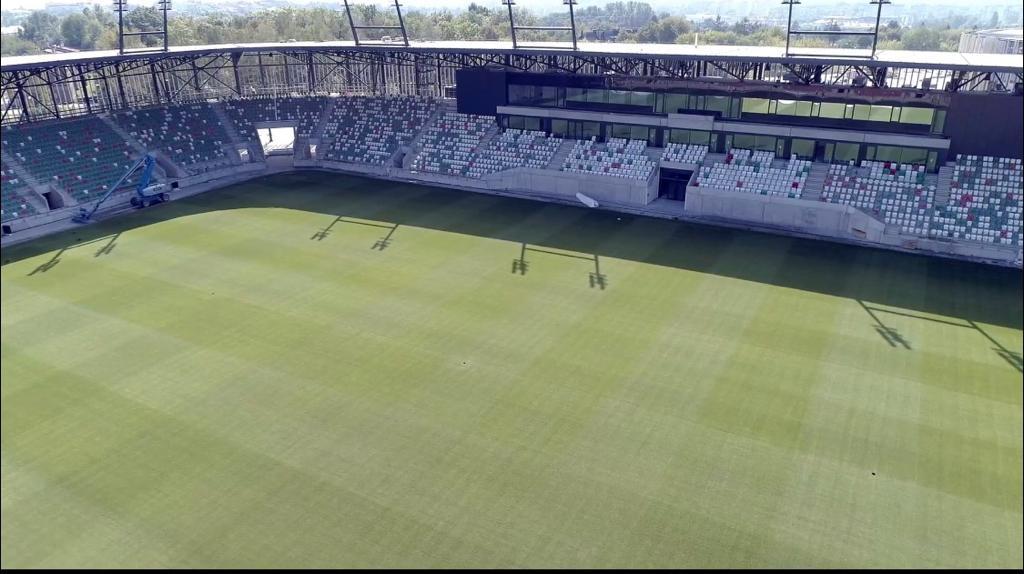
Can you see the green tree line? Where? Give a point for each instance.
(95, 28)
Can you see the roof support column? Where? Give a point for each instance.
(235, 57)
(120, 86)
(106, 89)
(85, 89)
(156, 83)
(21, 97)
(53, 95)
(310, 72)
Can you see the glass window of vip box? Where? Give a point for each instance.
(755, 106)
(618, 97)
(793, 108)
(673, 103)
(754, 142)
(724, 106)
(645, 99)
(903, 155)
(689, 137)
(842, 152)
(575, 129)
(833, 110)
(632, 132)
(522, 123)
(527, 95)
(802, 148)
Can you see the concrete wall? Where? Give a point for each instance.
(960, 249)
(817, 218)
(120, 201)
(606, 190)
(828, 220)
(778, 214)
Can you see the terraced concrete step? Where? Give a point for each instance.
(815, 184)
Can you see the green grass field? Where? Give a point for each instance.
(317, 370)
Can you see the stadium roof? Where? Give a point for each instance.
(1013, 63)
(1009, 33)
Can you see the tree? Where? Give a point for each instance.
(625, 20)
(18, 46)
(75, 29)
(41, 28)
(145, 19)
(921, 38)
(667, 30)
(81, 31)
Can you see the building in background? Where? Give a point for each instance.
(994, 41)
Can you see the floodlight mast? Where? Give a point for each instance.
(571, 28)
(790, 32)
(355, 29)
(878, 24)
(789, 20)
(120, 7)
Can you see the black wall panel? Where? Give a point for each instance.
(480, 90)
(986, 124)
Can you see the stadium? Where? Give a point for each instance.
(412, 303)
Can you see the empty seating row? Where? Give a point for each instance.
(190, 134)
(740, 156)
(985, 202)
(371, 129)
(896, 194)
(910, 208)
(684, 153)
(13, 191)
(450, 145)
(753, 173)
(304, 111)
(514, 148)
(890, 171)
(78, 157)
(617, 158)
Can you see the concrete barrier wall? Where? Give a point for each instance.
(818, 218)
(609, 190)
(778, 214)
(828, 220)
(969, 250)
(119, 201)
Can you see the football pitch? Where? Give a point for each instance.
(326, 371)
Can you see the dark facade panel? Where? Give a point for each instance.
(986, 125)
(480, 90)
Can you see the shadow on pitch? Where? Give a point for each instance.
(914, 283)
(597, 279)
(892, 336)
(380, 245)
(108, 242)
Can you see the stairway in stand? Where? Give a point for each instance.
(815, 183)
(944, 185)
(558, 158)
(318, 131)
(229, 126)
(109, 120)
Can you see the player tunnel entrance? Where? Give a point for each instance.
(673, 182)
(278, 140)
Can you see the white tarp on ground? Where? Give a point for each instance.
(589, 202)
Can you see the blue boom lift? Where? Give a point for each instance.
(145, 194)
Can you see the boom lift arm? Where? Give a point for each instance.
(145, 194)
